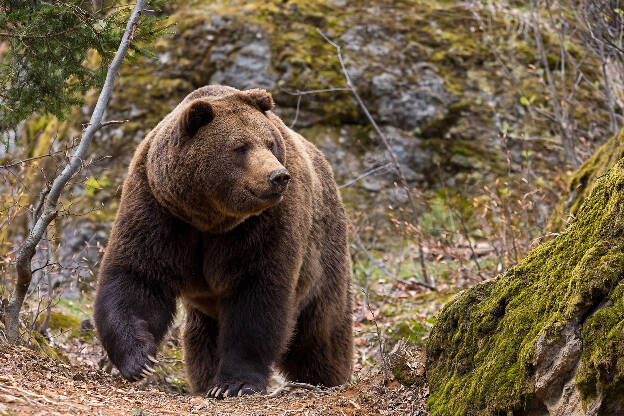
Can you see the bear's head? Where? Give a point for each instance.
(219, 161)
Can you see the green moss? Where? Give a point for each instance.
(412, 331)
(40, 344)
(65, 323)
(584, 178)
(481, 351)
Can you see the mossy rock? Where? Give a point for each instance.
(60, 322)
(584, 178)
(40, 344)
(547, 336)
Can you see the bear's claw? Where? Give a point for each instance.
(143, 371)
(147, 371)
(230, 390)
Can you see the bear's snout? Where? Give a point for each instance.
(279, 179)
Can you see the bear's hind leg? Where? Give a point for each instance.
(200, 349)
(321, 351)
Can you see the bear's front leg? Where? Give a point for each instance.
(131, 316)
(255, 326)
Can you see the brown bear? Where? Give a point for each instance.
(237, 215)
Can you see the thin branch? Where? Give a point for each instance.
(45, 266)
(560, 113)
(300, 95)
(109, 123)
(27, 36)
(308, 92)
(42, 197)
(296, 112)
(472, 251)
(390, 150)
(360, 245)
(30, 159)
(365, 174)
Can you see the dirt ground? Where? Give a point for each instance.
(33, 384)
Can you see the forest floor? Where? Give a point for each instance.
(64, 373)
(33, 384)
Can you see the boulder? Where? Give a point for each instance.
(547, 336)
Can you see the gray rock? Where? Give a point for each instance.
(409, 150)
(250, 67)
(79, 254)
(372, 184)
(410, 106)
(557, 362)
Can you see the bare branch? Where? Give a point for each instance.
(391, 152)
(45, 266)
(308, 92)
(560, 113)
(42, 197)
(300, 94)
(366, 174)
(108, 123)
(30, 159)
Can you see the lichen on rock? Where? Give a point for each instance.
(547, 336)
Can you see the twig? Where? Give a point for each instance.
(296, 112)
(45, 266)
(300, 95)
(560, 109)
(42, 197)
(293, 385)
(382, 352)
(388, 273)
(43, 36)
(365, 174)
(108, 123)
(30, 159)
(472, 251)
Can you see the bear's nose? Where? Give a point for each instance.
(279, 177)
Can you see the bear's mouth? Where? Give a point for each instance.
(268, 196)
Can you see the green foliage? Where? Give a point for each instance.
(412, 331)
(56, 51)
(482, 349)
(92, 185)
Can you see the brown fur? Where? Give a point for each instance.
(262, 269)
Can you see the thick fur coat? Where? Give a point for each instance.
(238, 216)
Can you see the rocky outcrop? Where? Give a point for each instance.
(547, 336)
(425, 69)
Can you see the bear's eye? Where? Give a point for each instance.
(271, 146)
(241, 150)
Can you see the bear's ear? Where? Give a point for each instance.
(197, 114)
(261, 99)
